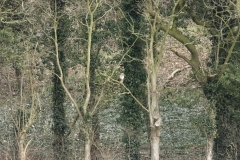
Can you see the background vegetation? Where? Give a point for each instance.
(60, 95)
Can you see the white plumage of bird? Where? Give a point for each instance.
(121, 78)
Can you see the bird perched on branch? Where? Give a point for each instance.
(121, 78)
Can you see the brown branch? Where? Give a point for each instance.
(98, 101)
(230, 51)
(183, 57)
(181, 38)
(173, 74)
(209, 25)
(72, 125)
(55, 26)
(198, 22)
(135, 98)
(132, 95)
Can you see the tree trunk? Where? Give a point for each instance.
(155, 120)
(95, 153)
(210, 142)
(155, 139)
(87, 148)
(225, 144)
(58, 92)
(21, 150)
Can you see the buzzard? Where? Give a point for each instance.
(121, 78)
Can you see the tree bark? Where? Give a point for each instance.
(210, 142)
(154, 119)
(225, 144)
(87, 148)
(95, 153)
(21, 149)
(154, 114)
(155, 139)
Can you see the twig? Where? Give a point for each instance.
(133, 96)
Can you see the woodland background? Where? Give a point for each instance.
(59, 65)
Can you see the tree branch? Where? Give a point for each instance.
(230, 51)
(132, 95)
(178, 36)
(183, 57)
(194, 61)
(135, 98)
(55, 26)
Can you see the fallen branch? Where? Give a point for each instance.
(173, 74)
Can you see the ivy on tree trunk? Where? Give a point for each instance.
(132, 114)
(59, 116)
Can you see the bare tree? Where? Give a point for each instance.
(28, 107)
(87, 109)
(222, 25)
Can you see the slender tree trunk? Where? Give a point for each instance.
(154, 118)
(209, 150)
(155, 139)
(95, 153)
(88, 148)
(154, 114)
(21, 148)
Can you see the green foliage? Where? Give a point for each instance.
(192, 99)
(180, 132)
(7, 46)
(222, 90)
(180, 108)
(6, 35)
(225, 88)
(58, 93)
(225, 92)
(135, 79)
(185, 97)
(187, 121)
